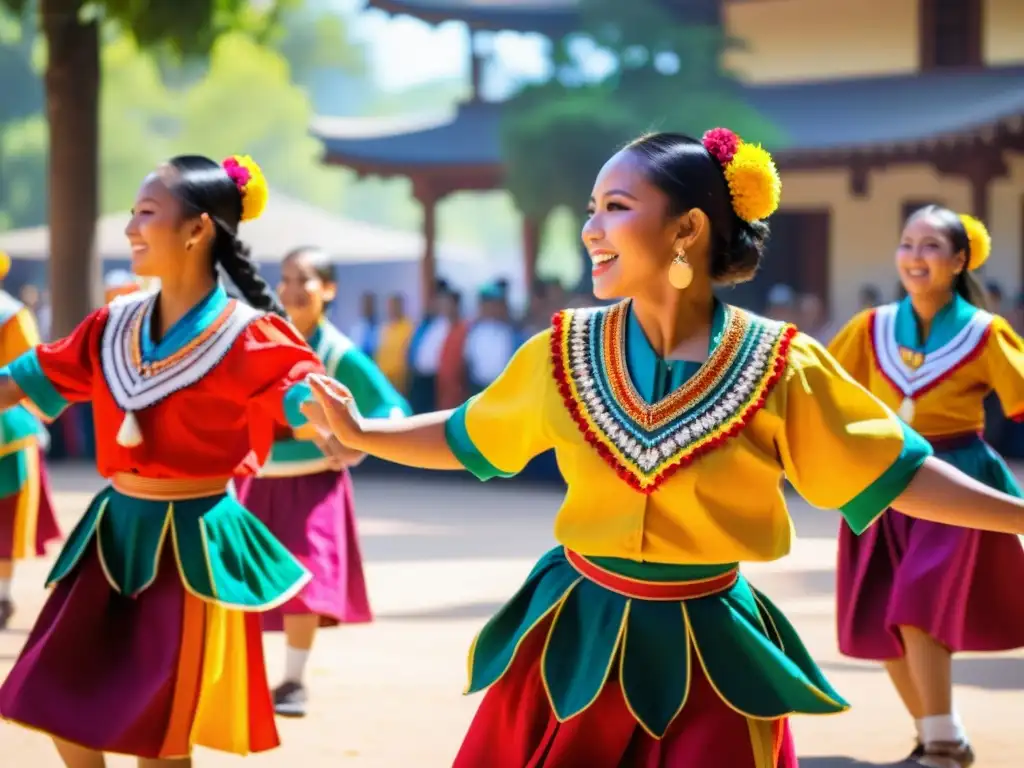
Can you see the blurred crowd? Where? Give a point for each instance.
(452, 352)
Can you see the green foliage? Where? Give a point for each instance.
(668, 75)
(22, 129)
(316, 40)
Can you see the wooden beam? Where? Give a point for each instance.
(428, 198)
(531, 252)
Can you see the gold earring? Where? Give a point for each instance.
(680, 273)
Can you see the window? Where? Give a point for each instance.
(950, 33)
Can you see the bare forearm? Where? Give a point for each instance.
(10, 393)
(416, 441)
(943, 494)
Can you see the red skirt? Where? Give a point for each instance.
(28, 520)
(516, 728)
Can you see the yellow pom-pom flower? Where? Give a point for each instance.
(753, 182)
(980, 240)
(252, 184)
(5, 265)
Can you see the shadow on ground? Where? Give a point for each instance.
(992, 673)
(843, 762)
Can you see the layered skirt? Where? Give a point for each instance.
(606, 662)
(313, 516)
(150, 640)
(28, 519)
(961, 586)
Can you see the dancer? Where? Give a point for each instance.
(674, 418)
(150, 640)
(304, 498)
(913, 592)
(27, 518)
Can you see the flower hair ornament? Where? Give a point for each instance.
(251, 183)
(753, 179)
(980, 240)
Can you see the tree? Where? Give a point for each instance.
(666, 74)
(22, 100)
(72, 30)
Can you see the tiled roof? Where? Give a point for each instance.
(813, 117)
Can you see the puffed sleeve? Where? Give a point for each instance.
(18, 336)
(840, 447)
(272, 371)
(59, 373)
(375, 396)
(1004, 357)
(851, 347)
(497, 432)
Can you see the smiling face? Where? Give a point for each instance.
(926, 260)
(629, 233)
(303, 292)
(163, 240)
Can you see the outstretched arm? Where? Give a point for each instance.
(943, 494)
(10, 393)
(416, 441)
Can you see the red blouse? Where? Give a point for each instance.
(220, 425)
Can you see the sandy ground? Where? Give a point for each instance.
(442, 556)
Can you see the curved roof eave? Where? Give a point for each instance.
(817, 120)
(549, 17)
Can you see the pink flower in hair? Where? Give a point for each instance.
(238, 172)
(721, 144)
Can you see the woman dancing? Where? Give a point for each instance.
(27, 518)
(305, 498)
(913, 592)
(150, 640)
(637, 642)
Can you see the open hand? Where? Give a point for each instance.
(333, 410)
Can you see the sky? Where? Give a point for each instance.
(404, 52)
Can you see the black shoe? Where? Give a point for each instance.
(6, 611)
(290, 699)
(947, 754)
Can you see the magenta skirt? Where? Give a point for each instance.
(961, 586)
(314, 517)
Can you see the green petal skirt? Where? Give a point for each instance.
(748, 650)
(224, 554)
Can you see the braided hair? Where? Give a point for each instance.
(204, 186)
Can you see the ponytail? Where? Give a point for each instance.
(969, 287)
(235, 258)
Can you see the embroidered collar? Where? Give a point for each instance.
(957, 337)
(136, 382)
(179, 335)
(647, 442)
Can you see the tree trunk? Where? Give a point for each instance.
(72, 108)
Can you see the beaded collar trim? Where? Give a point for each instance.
(647, 443)
(136, 384)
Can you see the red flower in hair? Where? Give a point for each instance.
(721, 144)
(238, 172)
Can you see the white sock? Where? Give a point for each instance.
(920, 730)
(5, 589)
(295, 664)
(942, 728)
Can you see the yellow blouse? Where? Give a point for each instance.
(695, 478)
(393, 351)
(18, 335)
(968, 354)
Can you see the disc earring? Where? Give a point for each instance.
(680, 273)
